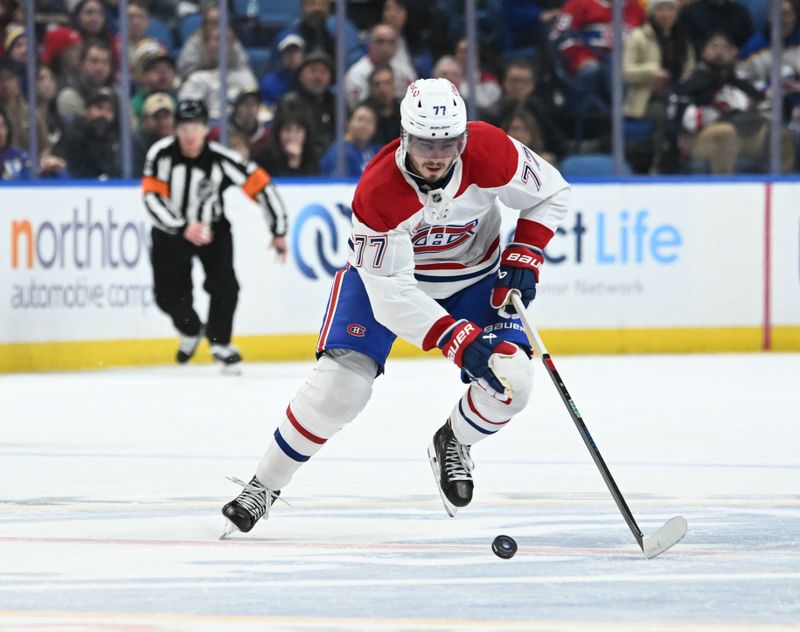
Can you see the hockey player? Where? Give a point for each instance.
(426, 265)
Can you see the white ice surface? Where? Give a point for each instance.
(111, 485)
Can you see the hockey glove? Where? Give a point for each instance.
(519, 270)
(466, 344)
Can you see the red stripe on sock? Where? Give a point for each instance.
(475, 410)
(293, 420)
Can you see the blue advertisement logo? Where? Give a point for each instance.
(326, 232)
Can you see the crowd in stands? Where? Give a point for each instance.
(696, 75)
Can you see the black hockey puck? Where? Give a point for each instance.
(504, 546)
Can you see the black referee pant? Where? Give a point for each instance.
(172, 257)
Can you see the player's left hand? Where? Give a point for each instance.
(279, 244)
(519, 270)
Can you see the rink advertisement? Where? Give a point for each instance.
(642, 267)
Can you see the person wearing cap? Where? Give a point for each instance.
(382, 49)
(313, 93)
(90, 145)
(61, 50)
(157, 121)
(247, 132)
(94, 72)
(154, 69)
(15, 43)
(657, 57)
(275, 84)
(185, 178)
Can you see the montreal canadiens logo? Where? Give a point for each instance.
(440, 238)
(356, 330)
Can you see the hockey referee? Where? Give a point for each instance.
(185, 177)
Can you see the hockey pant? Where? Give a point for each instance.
(340, 387)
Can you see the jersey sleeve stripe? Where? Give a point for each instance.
(256, 182)
(155, 185)
(532, 233)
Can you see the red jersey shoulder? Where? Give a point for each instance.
(383, 199)
(490, 159)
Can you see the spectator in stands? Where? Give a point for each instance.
(387, 106)
(89, 19)
(519, 89)
(382, 49)
(204, 85)
(719, 115)
(196, 55)
(521, 126)
(91, 144)
(487, 86)
(94, 72)
(701, 18)
(16, 47)
(657, 57)
(46, 90)
(154, 71)
(411, 52)
(247, 132)
(61, 50)
(314, 94)
(138, 23)
(290, 150)
(582, 37)
(14, 162)
(756, 66)
(15, 106)
(275, 84)
(318, 29)
(359, 147)
(157, 122)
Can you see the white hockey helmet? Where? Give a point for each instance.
(433, 111)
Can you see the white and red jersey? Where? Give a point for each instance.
(411, 247)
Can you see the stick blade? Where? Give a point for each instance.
(665, 538)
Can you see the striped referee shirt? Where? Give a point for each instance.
(179, 191)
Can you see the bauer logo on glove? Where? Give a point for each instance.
(519, 270)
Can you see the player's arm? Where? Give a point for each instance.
(385, 262)
(541, 194)
(155, 192)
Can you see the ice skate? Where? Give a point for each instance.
(188, 345)
(247, 508)
(228, 358)
(452, 469)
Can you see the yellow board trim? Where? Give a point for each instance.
(98, 354)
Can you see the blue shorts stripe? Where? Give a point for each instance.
(473, 424)
(290, 452)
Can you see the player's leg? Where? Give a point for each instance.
(479, 413)
(351, 351)
(223, 290)
(171, 258)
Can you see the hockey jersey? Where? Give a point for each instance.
(412, 246)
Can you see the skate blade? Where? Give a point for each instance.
(449, 507)
(229, 369)
(230, 529)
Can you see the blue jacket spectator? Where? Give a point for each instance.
(275, 84)
(14, 163)
(359, 147)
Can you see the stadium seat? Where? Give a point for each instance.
(160, 31)
(259, 61)
(580, 165)
(188, 24)
(759, 13)
(269, 11)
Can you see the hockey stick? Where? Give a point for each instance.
(675, 528)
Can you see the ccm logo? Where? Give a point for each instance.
(356, 330)
(457, 341)
(527, 260)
